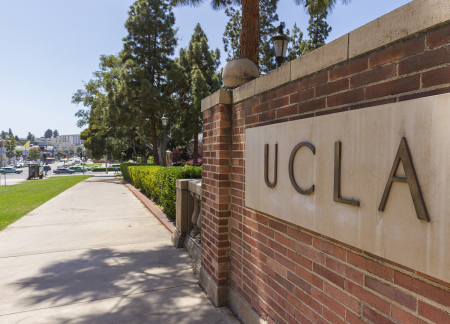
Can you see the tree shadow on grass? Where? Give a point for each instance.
(143, 283)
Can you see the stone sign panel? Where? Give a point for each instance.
(376, 178)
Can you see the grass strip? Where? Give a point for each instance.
(18, 200)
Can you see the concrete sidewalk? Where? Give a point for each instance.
(95, 254)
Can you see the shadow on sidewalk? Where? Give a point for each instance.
(97, 274)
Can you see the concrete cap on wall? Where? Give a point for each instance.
(219, 97)
(196, 186)
(403, 22)
(182, 183)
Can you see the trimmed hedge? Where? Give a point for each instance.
(159, 182)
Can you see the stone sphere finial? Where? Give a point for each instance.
(239, 71)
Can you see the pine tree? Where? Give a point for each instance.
(297, 46)
(10, 132)
(267, 28)
(318, 30)
(48, 133)
(200, 67)
(16, 138)
(150, 71)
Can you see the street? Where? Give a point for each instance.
(12, 178)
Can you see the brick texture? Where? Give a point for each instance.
(289, 274)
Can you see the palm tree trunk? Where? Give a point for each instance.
(155, 143)
(249, 38)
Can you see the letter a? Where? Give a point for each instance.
(404, 156)
(266, 166)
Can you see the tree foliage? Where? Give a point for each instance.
(48, 133)
(33, 154)
(125, 100)
(249, 38)
(267, 28)
(318, 31)
(55, 133)
(200, 66)
(10, 146)
(30, 137)
(151, 76)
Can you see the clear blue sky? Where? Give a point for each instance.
(49, 47)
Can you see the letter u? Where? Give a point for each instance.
(266, 166)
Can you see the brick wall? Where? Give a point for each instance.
(287, 273)
(216, 193)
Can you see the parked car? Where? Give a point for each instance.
(47, 168)
(10, 170)
(78, 169)
(63, 170)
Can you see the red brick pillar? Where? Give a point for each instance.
(216, 201)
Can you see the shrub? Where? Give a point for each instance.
(166, 185)
(159, 182)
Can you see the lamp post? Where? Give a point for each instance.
(280, 42)
(164, 121)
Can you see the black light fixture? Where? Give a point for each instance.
(280, 42)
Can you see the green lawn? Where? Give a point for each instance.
(18, 200)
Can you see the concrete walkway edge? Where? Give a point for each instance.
(155, 210)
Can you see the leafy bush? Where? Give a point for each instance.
(159, 182)
(166, 185)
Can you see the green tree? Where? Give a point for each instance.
(10, 132)
(150, 77)
(33, 154)
(48, 133)
(200, 66)
(10, 146)
(18, 153)
(98, 95)
(297, 46)
(249, 36)
(16, 138)
(30, 137)
(318, 30)
(4, 135)
(55, 133)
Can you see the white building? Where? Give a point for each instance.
(74, 139)
(58, 143)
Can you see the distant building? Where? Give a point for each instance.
(59, 144)
(74, 139)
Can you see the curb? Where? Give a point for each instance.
(155, 210)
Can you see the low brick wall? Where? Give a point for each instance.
(288, 274)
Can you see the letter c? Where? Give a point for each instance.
(291, 168)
